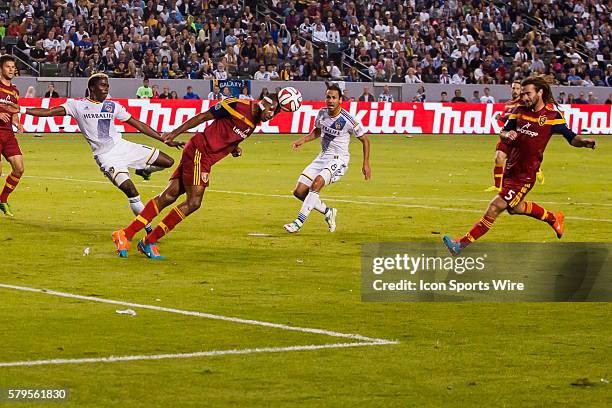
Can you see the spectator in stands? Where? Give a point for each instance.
(458, 97)
(346, 97)
(261, 74)
(444, 77)
(215, 94)
(244, 93)
(51, 93)
(475, 97)
(385, 96)
(144, 91)
(264, 92)
(226, 93)
(38, 54)
(166, 93)
(581, 100)
(334, 71)
(155, 89)
(420, 95)
(366, 96)
(190, 94)
(30, 92)
(562, 98)
(443, 96)
(609, 100)
(412, 77)
(220, 73)
(173, 95)
(487, 97)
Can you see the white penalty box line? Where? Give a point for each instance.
(360, 340)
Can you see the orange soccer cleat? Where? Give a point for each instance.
(558, 225)
(122, 243)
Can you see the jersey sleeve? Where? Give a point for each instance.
(559, 125)
(358, 130)
(319, 118)
(219, 111)
(70, 106)
(511, 122)
(121, 113)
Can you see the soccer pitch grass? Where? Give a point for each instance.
(449, 354)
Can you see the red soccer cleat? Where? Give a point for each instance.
(558, 225)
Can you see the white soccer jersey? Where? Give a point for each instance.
(336, 131)
(97, 122)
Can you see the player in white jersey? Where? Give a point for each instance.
(96, 119)
(334, 126)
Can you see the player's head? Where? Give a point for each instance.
(333, 98)
(98, 86)
(7, 67)
(536, 90)
(516, 89)
(269, 106)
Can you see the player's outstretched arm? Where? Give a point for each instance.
(149, 131)
(196, 121)
(579, 142)
(44, 112)
(572, 138)
(367, 172)
(315, 134)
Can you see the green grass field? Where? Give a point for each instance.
(449, 354)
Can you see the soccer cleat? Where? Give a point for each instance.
(540, 176)
(149, 250)
(453, 247)
(558, 226)
(146, 175)
(493, 188)
(6, 209)
(121, 242)
(330, 217)
(292, 227)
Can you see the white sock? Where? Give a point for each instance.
(321, 207)
(137, 206)
(311, 201)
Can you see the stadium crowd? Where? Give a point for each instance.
(401, 41)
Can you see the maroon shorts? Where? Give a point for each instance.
(514, 191)
(9, 146)
(194, 168)
(502, 146)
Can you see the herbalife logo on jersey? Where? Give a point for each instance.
(525, 130)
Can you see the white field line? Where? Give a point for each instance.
(331, 199)
(214, 353)
(200, 314)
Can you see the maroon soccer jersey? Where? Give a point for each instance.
(233, 123)
(534, 130)
(8, 93)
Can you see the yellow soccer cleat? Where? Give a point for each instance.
(540, 176)
(493, 188)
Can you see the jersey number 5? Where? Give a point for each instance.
(510, 195)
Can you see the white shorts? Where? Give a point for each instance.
(330, 167)
(123, 156)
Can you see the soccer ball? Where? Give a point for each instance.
(290, 99)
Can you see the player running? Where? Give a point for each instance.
(233, 120)
(528, 130)
(9, 147)
(502, 148)
(334, 126)
(96, 119)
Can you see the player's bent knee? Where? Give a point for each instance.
(164, 160)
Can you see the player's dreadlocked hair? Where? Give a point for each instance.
(542, 82)
(93, 80)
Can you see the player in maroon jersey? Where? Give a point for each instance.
(233, 120)
(9, 147)
(528, 130)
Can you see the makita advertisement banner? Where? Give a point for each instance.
(401, 117)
